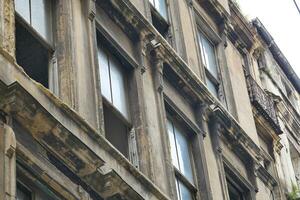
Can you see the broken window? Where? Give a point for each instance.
(181, 159)
(34, 37)
(113, 81)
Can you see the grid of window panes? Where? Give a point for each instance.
(209, 60)
(161, 7)
(37, 13)
(113, 81)
(181, 158)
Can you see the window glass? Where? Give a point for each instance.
(183, 154)
(38, 14)
(180, 150)
(172, 143)
(118, 86)
(160, 6)
(40, 17)
(209, 56)
(183, 192)
(211, 87)
(23, 9)
(113, 81)
(104, 74)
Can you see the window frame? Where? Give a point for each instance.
(190, 131)
(126, 119)
(209, 75)
(237, 180)
(19, 182)
(154, 9)
(130, 65)
(50, 45)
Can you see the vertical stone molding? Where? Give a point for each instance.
(198, 146)
(216, 131)
(7, 27)
(7, 162)
(65, 53)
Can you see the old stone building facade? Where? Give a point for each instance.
(144, 99)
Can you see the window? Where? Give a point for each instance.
(113, 80)
(33, 190)
(181, 159)
(234, 192)
(237, 187)
(23, 193)
(34, 38)
(159, 16)
(208, 57)
(161, 7)
(37, 13)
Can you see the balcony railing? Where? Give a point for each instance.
(263, 103)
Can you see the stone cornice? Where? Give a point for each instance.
(242, 29)
(70, 138)
(266, 177)
(234, 133)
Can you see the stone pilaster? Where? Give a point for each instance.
(198, 148)
(216, 131)
(7, 161)
(7, 27)
(65, 53)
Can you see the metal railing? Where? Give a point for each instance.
(263, 103)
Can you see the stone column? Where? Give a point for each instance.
(65, 53)
(7, 28)
(198, 148)
(7, 160)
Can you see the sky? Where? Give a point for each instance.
(282, 20)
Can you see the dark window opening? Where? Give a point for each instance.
(23, 193)
(236, 187)
(160, 24)
(32, 55)
(234, 192)
(116, 130)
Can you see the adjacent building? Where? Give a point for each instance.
(144, 99)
